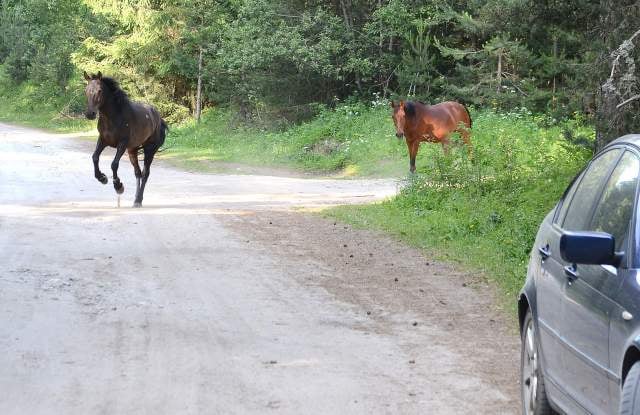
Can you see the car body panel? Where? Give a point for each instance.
(550, 286)
(583, 334)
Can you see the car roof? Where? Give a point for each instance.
(630, 139)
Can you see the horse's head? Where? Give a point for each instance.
(94, 93)
(399, 118)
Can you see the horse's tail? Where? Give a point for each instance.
(469, 115)
(164, 129)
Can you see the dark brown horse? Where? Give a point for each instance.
(418, 122)
(127, 126)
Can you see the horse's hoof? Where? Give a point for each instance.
(119, 188)
(137, 204)
(103, 179)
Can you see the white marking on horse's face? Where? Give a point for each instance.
(146, 116)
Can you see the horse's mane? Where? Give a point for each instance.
(119, 96)
(410, 107)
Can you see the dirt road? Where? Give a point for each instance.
(217, 298)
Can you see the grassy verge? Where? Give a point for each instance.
(353, 140)
(39, 106)
(482, 213)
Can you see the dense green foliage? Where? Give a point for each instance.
(34, 106)
(483, 212)
(274, 60)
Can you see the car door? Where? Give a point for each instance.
(587, 304)
(551, 282)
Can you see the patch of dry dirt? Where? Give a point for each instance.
(398, 287)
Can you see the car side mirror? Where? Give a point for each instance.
(596, 248)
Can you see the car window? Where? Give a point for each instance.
(579, 211)
(613, 212)
(566, 200)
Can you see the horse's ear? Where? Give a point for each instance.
(401, 104)
(99, 76)
(393, 104)
(86, 76)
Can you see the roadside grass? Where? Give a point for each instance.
(484, 212)
(353, 140)
(47, 107)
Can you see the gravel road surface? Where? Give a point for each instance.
(220, 296)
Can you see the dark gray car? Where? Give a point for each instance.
(579, 308)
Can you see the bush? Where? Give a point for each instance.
(484, 210)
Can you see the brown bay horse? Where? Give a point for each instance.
(418, 122)
(127, 126)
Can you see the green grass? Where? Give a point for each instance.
(42, 106)
(353, 141)
(482, 213)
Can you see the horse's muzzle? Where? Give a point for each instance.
(90, 115)
(399, 135)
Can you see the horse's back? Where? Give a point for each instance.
(145, 124)
(146, 113)
(450, 114)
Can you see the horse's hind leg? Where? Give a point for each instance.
(149, 152)
(467, 141)
(133, 157)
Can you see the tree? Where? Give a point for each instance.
(617, 97)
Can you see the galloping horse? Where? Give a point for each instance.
(432, 123)
(125, 125)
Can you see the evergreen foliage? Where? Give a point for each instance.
(277, 59)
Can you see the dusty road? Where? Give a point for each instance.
(217, 298)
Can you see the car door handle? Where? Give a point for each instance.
(544, 252)
(571, 272)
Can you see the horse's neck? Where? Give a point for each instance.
(110, 111)
(423, 108)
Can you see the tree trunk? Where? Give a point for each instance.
(381, 38)
(615, 112)
(555, 61)
(345, 14)
(199, 90)
(617, 71)
(499, 72)
(348, 22)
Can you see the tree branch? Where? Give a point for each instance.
(625, 102)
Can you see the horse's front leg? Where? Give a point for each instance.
(413, 152)
(467, 141)
(446, 144)
(117, 184)
(102, 178)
